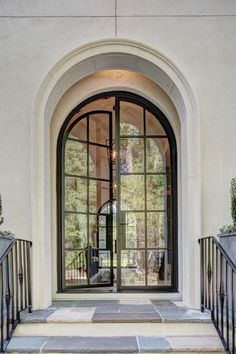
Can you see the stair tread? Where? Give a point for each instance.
(116, 311)
(115, 344)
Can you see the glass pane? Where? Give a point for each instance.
(93, 230)
(100, 272)
(75, 268)
(98, 162)
(132, 192)
(131, 155)
(75, 231)
(131, 119)
(159, 268)
(158, 155)
(133, 268)
(156, 192)
(99, 194)
(99, 128)
(153, 126)
(132, 230)
(76, 158)
(79, 131)
(75, 194)
(102, 236)
(158, 230)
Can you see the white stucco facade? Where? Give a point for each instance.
(178, 54)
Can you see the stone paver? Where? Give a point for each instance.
(206, 344)
(127, 317)
(108, 309)
(91, 345)
(153, 345)
(111, 345)
(137, 308)
(176, 311)
(97, 303)
(74, 314)
(37, 316)
(116, 311)
(63, 303)
(26, 344)
(183, 314)
(163, 303)
(135, 302)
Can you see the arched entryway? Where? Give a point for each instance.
(117, 196)
(73, 79)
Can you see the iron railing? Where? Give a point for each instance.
(218, 274)
(15, 287)
(76, 270)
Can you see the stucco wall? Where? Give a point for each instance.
(197, 36)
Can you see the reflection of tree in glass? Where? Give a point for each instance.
(156, 230)
(75, 231)
(135, 230)
(132, 155)
(155, 161)
(75, 198)
(129, 129)
(76, 158)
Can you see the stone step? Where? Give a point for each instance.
(115, 344)
(116, 326)
(116, 312)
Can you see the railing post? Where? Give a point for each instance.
(2, 307)
(233, 309)
(209, 273)
(217, 285)
(221, 295)
(29, 278)
(8, 296)
(202, 274)
(213, 281)
(21, 276)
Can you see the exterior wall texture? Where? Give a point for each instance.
(198, 37)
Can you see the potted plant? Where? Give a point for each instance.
(227, 237)
(231, 229)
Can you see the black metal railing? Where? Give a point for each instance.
(76, 270)
(15, 287)
(218, 274)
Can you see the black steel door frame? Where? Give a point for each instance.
(139, 100)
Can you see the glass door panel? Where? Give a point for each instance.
(87, 188)
(144, 205)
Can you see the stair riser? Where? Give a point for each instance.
(115, 329)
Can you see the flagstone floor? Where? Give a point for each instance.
(116, 311)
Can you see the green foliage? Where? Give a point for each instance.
(233, 200)
(227, 229)
(1, 218)
(3, 233)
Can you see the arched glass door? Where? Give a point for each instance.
(117, 198)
